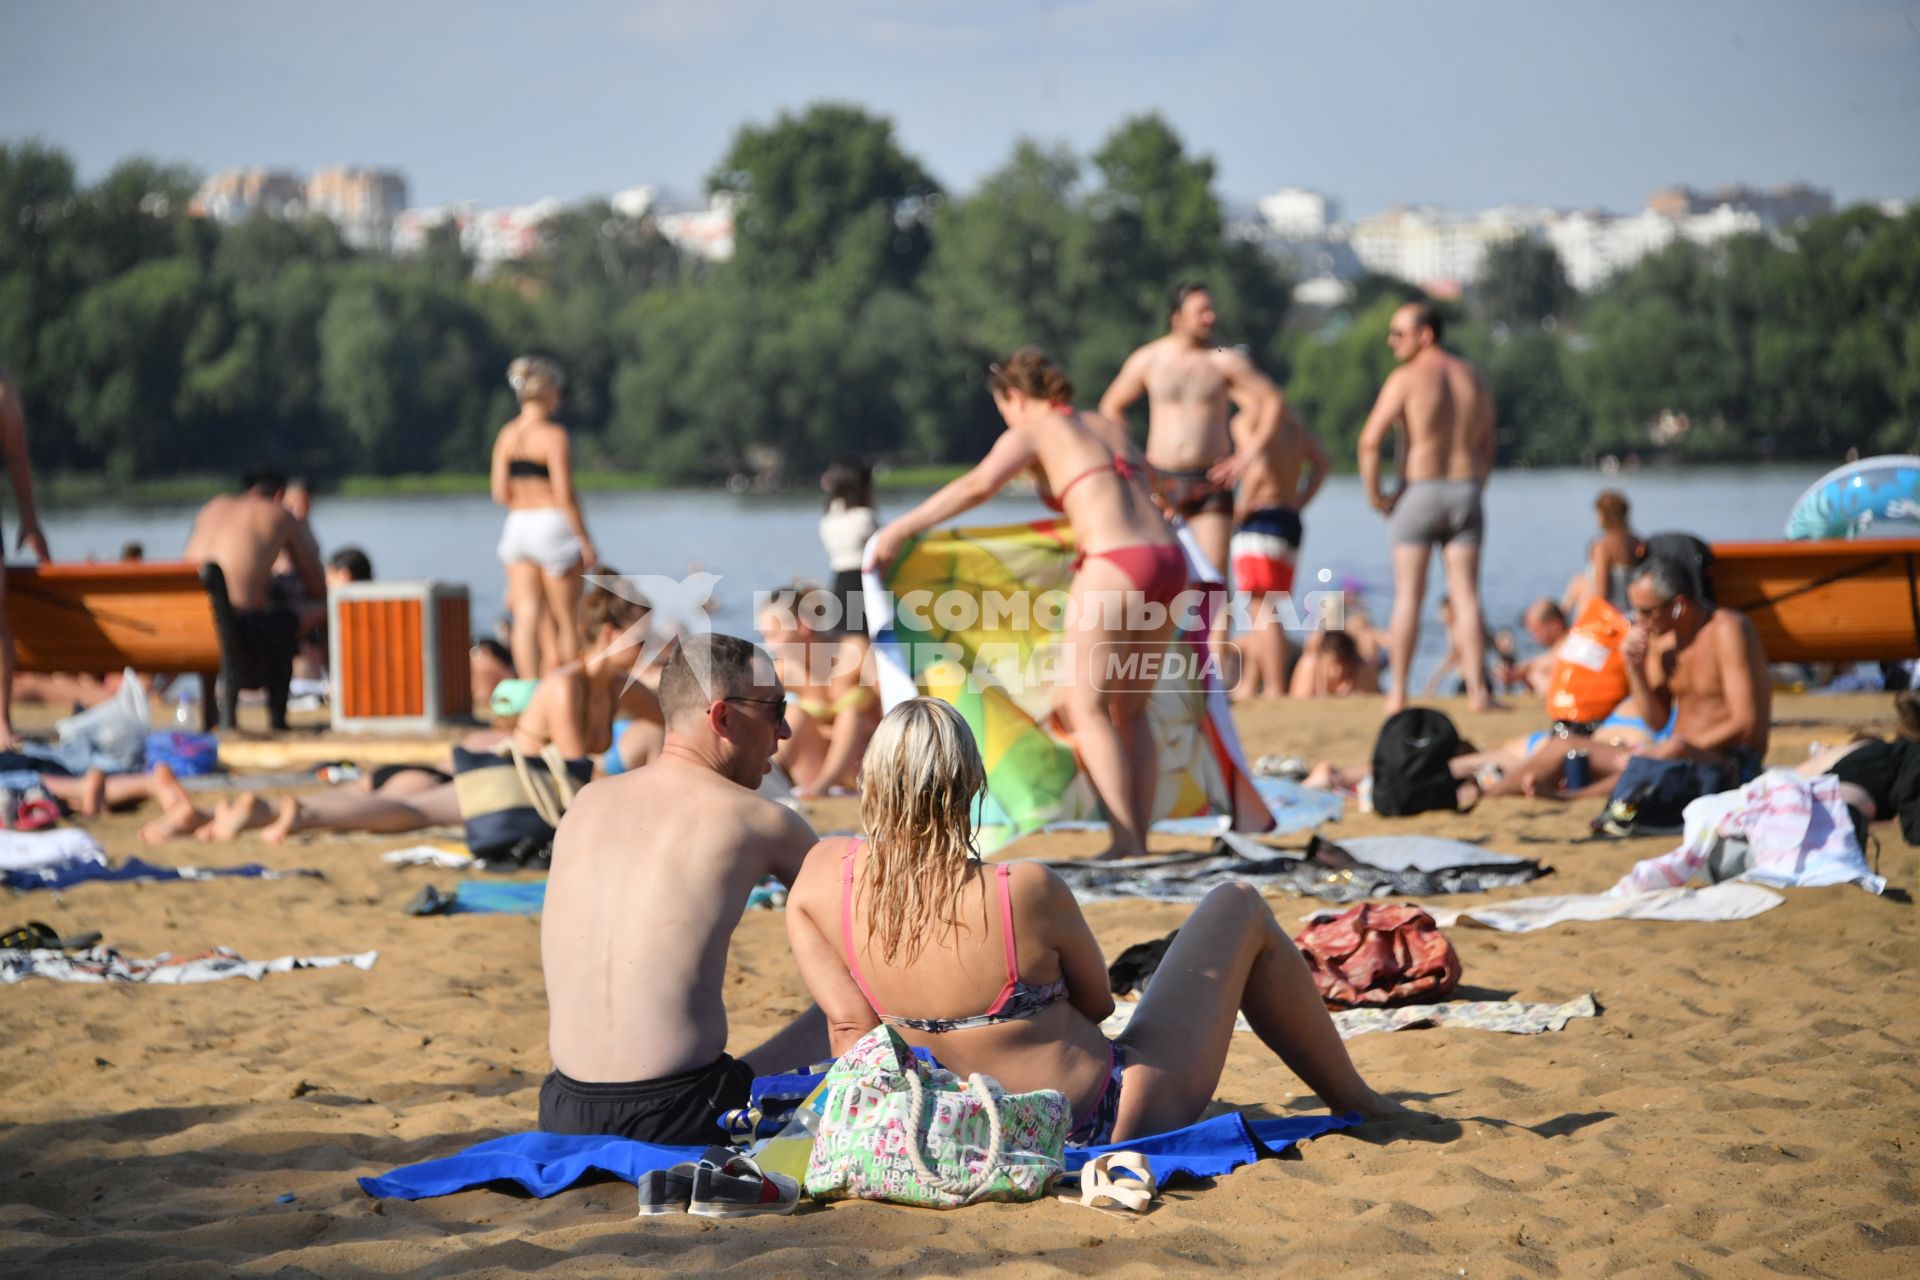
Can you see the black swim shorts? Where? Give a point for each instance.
(1192, 493)
(677, 1110)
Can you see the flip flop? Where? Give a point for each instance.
(1121, 1197)
(31, 936)
(431, 902)
(35, 936)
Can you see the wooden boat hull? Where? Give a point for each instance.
(1834, 601)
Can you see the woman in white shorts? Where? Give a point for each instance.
(545, 541)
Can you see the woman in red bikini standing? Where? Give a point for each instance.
(1127, 553)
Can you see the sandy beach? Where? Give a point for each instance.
(1747, 1103)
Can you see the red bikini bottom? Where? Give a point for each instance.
(1160, 572)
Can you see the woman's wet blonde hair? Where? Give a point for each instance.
(919, 782)
(534, 376)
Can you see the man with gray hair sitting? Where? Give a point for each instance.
(1704, 666)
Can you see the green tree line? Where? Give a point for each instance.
(858, 313)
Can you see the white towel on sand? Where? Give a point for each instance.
(1732, 900)
(45, 850)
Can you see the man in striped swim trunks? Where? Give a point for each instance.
(1278, 484)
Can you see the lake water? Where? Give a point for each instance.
(1538, 527)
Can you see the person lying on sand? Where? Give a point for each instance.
(1879, 780)
(651, 874)
(1532, 764)
(574, 708)
(995, 970)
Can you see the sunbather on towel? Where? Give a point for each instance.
(1879, 780)
(1533, 764)
(995, 970)
(573, 708)
(651, 873)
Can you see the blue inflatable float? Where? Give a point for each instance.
(1875, 497)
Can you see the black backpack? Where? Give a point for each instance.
(1410, 758)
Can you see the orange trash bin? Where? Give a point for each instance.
(398, 655)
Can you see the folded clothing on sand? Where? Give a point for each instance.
(66, 875)
(1796, 831)
(105, 964)
(544, 1164)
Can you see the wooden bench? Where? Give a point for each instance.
(161, 618)
(1827, 601)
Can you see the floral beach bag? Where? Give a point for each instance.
(893, 1128)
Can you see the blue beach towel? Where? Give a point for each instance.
(62, 877)
(527, 897)
(544, 1164)
(499, 897)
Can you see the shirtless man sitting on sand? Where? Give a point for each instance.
(1704, 663)
(1446, 411)
(1189, 384)
(1274, 489)
(651, 872)
(244, 533)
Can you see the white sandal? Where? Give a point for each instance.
(1122, 1196)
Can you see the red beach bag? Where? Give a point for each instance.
(1374, 955)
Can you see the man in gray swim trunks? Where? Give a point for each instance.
(1446, 411)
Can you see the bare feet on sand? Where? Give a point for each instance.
(179, 817)
(1113, 853)
(1378, 1106)
(284, 823)
(92, 800)
(234, 815)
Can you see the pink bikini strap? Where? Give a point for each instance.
(1001, 873)
(846, 921)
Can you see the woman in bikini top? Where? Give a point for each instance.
(1129, 558)
(995, 970)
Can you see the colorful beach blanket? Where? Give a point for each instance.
(105, 964)
(972, 616)
(545, 1164)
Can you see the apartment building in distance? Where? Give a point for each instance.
(238, 194)
(362, 202)
(1443, 251)
(1781, 207)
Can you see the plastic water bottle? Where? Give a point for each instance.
(186, 710)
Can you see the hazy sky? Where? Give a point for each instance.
(1463, 104)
